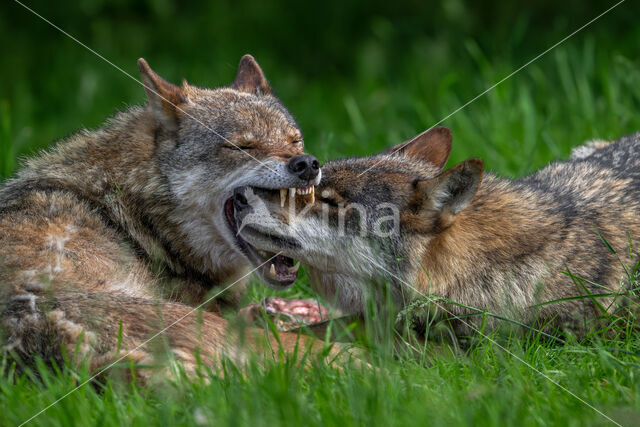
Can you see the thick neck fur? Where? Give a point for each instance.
(509, 249)
(116, 168)
(502, 227)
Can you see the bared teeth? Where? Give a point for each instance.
(306, 190)
(295, 268)
(272, 270)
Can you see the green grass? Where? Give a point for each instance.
(357, 80)
(484, 385)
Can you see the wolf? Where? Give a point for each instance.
(549, 250)
(119, 231)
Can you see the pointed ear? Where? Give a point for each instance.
(451, 191)
(163, 96)
(433, 145)
(250, 77)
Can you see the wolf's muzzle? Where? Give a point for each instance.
(304, 166)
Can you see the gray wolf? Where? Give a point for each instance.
(473, 241)
(129, 224)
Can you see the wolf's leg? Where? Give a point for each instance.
(67, 282)
(102, 328)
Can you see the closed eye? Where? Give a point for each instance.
(329, 202)
(237, 147)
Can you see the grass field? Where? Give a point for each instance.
(357, 80)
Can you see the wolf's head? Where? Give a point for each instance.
(373, 216)
(212, 141)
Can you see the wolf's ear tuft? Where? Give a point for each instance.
(250, 77)
(163, 96)
(451, 191)
(433, 145)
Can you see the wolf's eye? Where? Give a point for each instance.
(298, 143)
(328, 201)
(237, 147)
(330, 197)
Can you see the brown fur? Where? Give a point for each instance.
(125, 224)
(493, 244)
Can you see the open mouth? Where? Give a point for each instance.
(277, 271)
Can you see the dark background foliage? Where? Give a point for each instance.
(357, 75)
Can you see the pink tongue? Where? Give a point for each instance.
(228, 207)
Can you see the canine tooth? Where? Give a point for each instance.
(272, 270)
(283, 197)
(295, 268)
(313, 194)
(292, 195)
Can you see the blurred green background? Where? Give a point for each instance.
(358, 76)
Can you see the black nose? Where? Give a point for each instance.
(304, 166)
(239, 200)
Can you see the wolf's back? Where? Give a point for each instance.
(621, 155)
(602, 175)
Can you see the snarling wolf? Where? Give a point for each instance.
(132, 223)
(473, 241)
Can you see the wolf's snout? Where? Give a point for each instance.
(305, 166)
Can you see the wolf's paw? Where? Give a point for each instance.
(286, 314)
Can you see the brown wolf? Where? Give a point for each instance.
(476, 242)
(128, 223)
